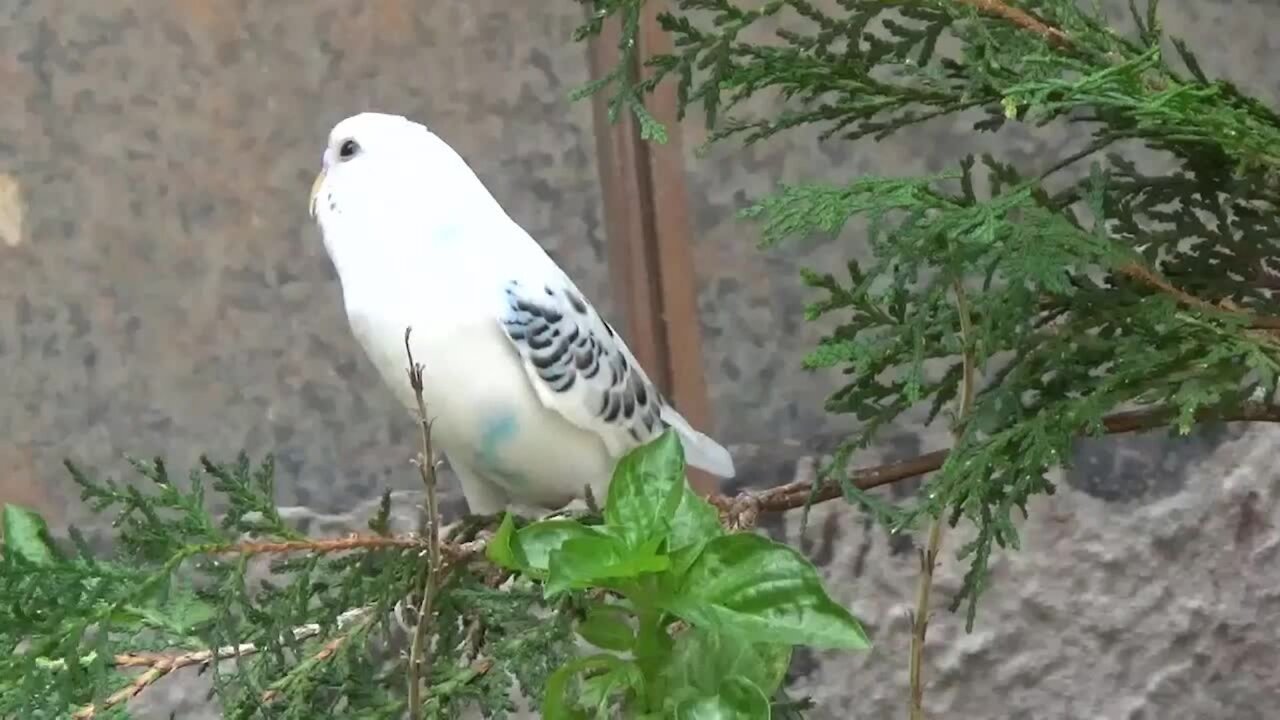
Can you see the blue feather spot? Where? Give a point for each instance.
(496, 431)
(448, 234)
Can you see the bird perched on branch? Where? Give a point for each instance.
(532, 394)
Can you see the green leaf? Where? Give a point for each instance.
(27, 536)
(703, 659)
(504, 549)
(606, 626)
(695, 520)
(600, 690)
(586, 561)
(555, 704)
(748, 584)
(738, 699)
(540, 539)
(695, 523)
(529, 549)
(647, 488)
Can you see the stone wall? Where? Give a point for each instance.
(162, 292)
(163, 288)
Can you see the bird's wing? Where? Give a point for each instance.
(583, 370)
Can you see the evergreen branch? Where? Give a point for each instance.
(326, 651)
(802, 493)
(159, 664)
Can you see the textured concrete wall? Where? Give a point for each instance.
(163, 292)
(162, 289)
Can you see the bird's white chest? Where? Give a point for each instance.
(455, 349)
(486, 413)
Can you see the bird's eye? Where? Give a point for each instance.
(349, 149)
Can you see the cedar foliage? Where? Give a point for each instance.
(1092, 285)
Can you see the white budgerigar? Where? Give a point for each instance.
(533, 394)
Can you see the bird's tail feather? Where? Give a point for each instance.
(700, 451)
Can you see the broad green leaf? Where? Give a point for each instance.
(530, 548)
(607, 627)
(702, 659)
(738, 699)
(748, 584)
(503, 549)
(27, 536)
(694, 521)
(585, 561)
(647, 488)
(556, 703)
(538, 540)
(601, 691)
(681, 561)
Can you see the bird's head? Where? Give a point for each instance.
(378, 169)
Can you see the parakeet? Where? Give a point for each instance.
(533, 395)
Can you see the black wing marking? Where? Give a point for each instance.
(581, 367)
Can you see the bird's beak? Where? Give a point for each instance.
(315, 188)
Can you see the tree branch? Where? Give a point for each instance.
(1021, 18)
(1151, 278)
(796, 494)
(161, 664)
(351, 542)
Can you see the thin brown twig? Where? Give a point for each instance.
(929, 556)
(161, 664)
(1022, 19)
(796, 494)
(920, 619)
(776, 499)
(350, 542)
(420, 648)
(1153, 279)
(326, 651)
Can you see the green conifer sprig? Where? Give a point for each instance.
(1119, 289)
(299, 627)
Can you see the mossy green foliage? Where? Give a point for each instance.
(1057, 266)
(745, 601)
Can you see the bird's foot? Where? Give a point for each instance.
(468, 527)
(586, 513)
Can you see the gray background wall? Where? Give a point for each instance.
(162, 291)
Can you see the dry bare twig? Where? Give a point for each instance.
(420, 649)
